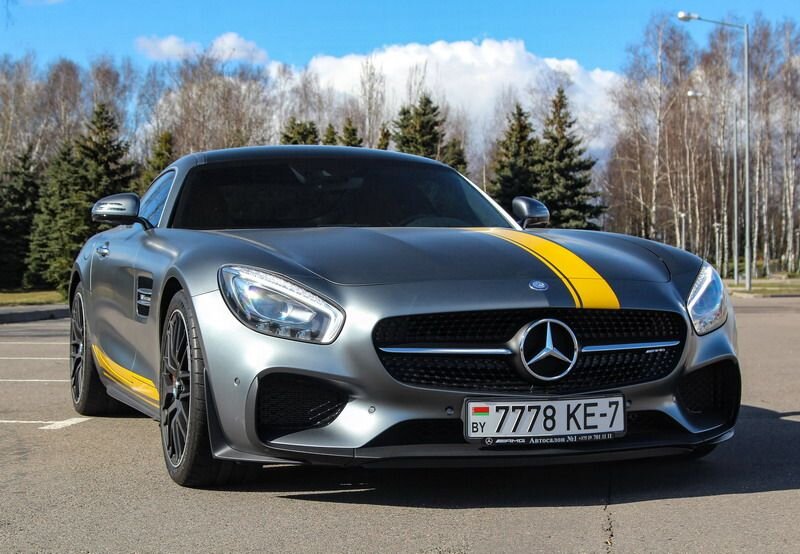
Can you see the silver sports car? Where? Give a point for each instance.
(349, 306)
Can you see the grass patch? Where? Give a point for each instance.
(768, 287)
(28, 298)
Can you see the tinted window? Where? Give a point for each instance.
(155, 198)
(318, 192)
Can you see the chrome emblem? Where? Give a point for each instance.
(549, 349)
(538, 285)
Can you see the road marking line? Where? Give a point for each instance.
(50, 425)
(34, 380)
(31, 358)
(65, 423)
(34, 342)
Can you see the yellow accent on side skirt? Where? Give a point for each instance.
(585, 284)
(143, 388)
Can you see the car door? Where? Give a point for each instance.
(112, 278)
(148, 272)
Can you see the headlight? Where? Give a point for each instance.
(707, 306)
(276, 306)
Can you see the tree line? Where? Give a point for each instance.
(70, 134)
(680, 127)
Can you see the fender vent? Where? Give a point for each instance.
(144, 292)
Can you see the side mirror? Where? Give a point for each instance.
(119, 209)
(530, 212)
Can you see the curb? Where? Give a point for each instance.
(742, 294)
(23, 314)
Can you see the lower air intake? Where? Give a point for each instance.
(288, 403)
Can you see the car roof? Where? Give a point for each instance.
(250, 153)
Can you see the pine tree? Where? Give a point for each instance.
(454, 156)
(299, 132)
(516, 160)
(91, 168)
(62, 221)
(384, 137)
(419, 129)
(161, 156)
(565, 174)
(330, 138)
(350, 134)
(103, 155)
(19, 194)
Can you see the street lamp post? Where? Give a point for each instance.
(735, 194)
(689, 16)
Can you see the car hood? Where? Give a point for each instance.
(375, 256)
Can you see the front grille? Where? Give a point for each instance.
(288, 403)
(497, 373)
(499, 326)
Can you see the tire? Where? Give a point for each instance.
(182, 414)
(88, 394)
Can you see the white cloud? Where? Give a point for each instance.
(166, 49)
(234, 47)
(472, 76)
(226, 47)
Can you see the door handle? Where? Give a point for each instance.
(103, 250)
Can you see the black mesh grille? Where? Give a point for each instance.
(449, 431)
(499, 326)
(421, 431)
(289, 403)
(597, 370)
(711, 391)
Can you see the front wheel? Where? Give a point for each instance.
(183, 419)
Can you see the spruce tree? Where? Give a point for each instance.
(565, 173)
(350, 134)
(384, 137)
(330, 138)
(516, 160)
(299, 132)
(419, 129)
(454, 156)
(19, 194)
(162, 155)
(91, 168)
(103, 154)
(62, 222)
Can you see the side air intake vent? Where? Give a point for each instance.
(288, 403)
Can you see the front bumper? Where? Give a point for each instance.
(237, 358)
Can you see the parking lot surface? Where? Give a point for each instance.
(99, 484)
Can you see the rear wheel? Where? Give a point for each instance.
(183, 416)
(89, 396)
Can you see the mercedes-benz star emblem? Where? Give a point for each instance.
(538, 285)
(549, 349)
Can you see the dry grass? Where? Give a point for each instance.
(27, 298)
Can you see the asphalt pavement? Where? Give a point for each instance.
(99, 484)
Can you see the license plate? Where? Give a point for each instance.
(498, 422)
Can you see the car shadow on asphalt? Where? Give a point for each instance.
(763, 456)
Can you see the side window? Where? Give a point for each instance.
(156, 197)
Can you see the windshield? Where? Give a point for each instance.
(318, 192)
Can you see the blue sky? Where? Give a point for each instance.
(593, 33)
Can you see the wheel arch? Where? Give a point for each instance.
(172, 286)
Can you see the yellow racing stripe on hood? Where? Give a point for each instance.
(142, 387)
(585, 284)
